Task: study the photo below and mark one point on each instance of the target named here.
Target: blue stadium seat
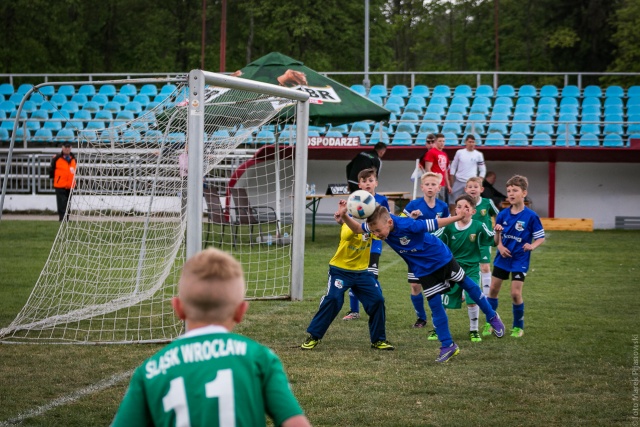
(103, 115)
(544, 124)
(548, 109)
(67, 90)
(571, 90)
(16, 98)
(100, 99)
(590, 124)
(452, 127)
(613, 140)
(150, 90)
(47, 91)
(7, 106)
(498, 123)
(361, 135)
(410, 116)
(417, 100)
(501, 109)
(64, 135)
(438, 100)
(522, 128)
(541, 140)
(503, 100)
(592, 90)
(400, 90)
(429, 127)
(525, 100)
(402, 138)
(359, 89)
(29, 107)
(450, 139)
(458, 109)
(613, 100)
(91, 107)
(379, 137)
(479, 109)
(460, 100)
(129, 90)
(413, 108)
(518, 140)
(484, 90)
(394, 99)
(375, 98)
(378, 90)
(107, 90)
(477, 123)
(393, 107)
(441, 90)
(522, 117)
(528, 91)
(22, 135)
(494, 139)
(567, 124)
(633, 124)
(568, 109)
(614, 91)
(633, 91)
(344, 128)
(6, 89)
(4, 135)
(406, 127)
(590, 100)
(549, 91)
(420, 90)
(421, 139)
(565, 140)
(523, 109)
(591, 110)
(48, 107)
(633, 101)
(361, 126)
(155, 136)
(547, 100)
(24, 88)
(43, 135)
(385, 129)
(168, 89)
(58, 99)
(131, 136)
(36, 98)
(113, 107)
(506, 90)
(436, 109)
(121, 99)
(40, 115)
(133, 106)
(463, 90)
(613, 124)
(569, 100)
(87, 90)
(80, 98)
(71, 107)
(589, 140)
(123, 117)
(613, 109)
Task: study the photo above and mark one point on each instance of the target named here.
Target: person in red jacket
(63, 171)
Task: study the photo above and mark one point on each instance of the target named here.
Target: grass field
(574, 366)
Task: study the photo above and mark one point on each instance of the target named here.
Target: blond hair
(211, 286)
(518, 181)
(475, 179)
(431, 175)
(379, 214)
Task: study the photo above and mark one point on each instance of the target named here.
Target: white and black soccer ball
(361, 204)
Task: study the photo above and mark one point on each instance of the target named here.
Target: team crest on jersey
(439, 215)
(404, 241)
(472, 237)
(483, 212)
(520, 225)
(338, 283)
(365, 237)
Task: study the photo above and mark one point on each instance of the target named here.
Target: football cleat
(382, 345)
(432, 336)
(497, 326)
(474, 336)
(351, 315)
(447, 353)
(310, 343)
(420, 323)
(517, 332)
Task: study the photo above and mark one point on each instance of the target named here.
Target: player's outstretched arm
(443, 222)
(351, 223)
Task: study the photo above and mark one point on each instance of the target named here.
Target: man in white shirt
(467, 163)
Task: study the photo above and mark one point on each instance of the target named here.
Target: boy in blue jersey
(518, 233)
(210, 376)
(348, 270)
(432, 263)
(368, 181)
(427, 207)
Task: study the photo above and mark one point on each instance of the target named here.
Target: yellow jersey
(353, 251)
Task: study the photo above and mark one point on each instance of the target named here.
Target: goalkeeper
(210, 376)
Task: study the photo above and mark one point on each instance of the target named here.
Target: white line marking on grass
(70, 398)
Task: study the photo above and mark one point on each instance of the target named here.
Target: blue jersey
(412, 240)
(523, 227)
(376, 244)
(440, 210)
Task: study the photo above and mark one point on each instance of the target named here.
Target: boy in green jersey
(465, 238)
(210, 376)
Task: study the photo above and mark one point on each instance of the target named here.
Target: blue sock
(354, 304)
(418, 305)
(518, 316)
(476, 294)
(493, 302)
(440, 320)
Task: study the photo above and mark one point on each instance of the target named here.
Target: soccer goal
(219, 161)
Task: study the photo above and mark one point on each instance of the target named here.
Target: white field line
(111, 381)
(69, 398)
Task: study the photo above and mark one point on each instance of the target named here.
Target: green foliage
(572, 367)
(627, 39)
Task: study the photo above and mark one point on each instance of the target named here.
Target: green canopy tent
(330, 101)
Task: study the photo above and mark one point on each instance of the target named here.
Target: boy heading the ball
(348, 270)
(368, 181)
(519, 232)
(432, 263)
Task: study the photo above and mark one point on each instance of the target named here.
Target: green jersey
(465, 241)
(485, 209)
(209, 377)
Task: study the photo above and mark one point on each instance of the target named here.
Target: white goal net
(144, 201)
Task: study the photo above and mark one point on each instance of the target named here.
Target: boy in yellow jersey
(348, 270)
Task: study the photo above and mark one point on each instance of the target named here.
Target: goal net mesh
(116, 260)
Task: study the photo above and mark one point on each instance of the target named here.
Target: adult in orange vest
(63, 171)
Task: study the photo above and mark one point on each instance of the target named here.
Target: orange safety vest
(63, 172)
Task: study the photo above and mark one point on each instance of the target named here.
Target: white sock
(485, 278)
(474, 311)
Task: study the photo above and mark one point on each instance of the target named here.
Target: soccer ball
(361, 204)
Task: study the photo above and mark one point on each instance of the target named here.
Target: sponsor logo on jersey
(453, 237)
(338, 283)
(520, 225)
(472, 237)
(404, 241)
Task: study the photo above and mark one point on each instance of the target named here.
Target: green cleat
(487, 330)
(474, 336)
(382, 345)
(517, 332)
(432, 336)
(310, 343)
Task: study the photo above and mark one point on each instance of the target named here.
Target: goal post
(146, 186)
